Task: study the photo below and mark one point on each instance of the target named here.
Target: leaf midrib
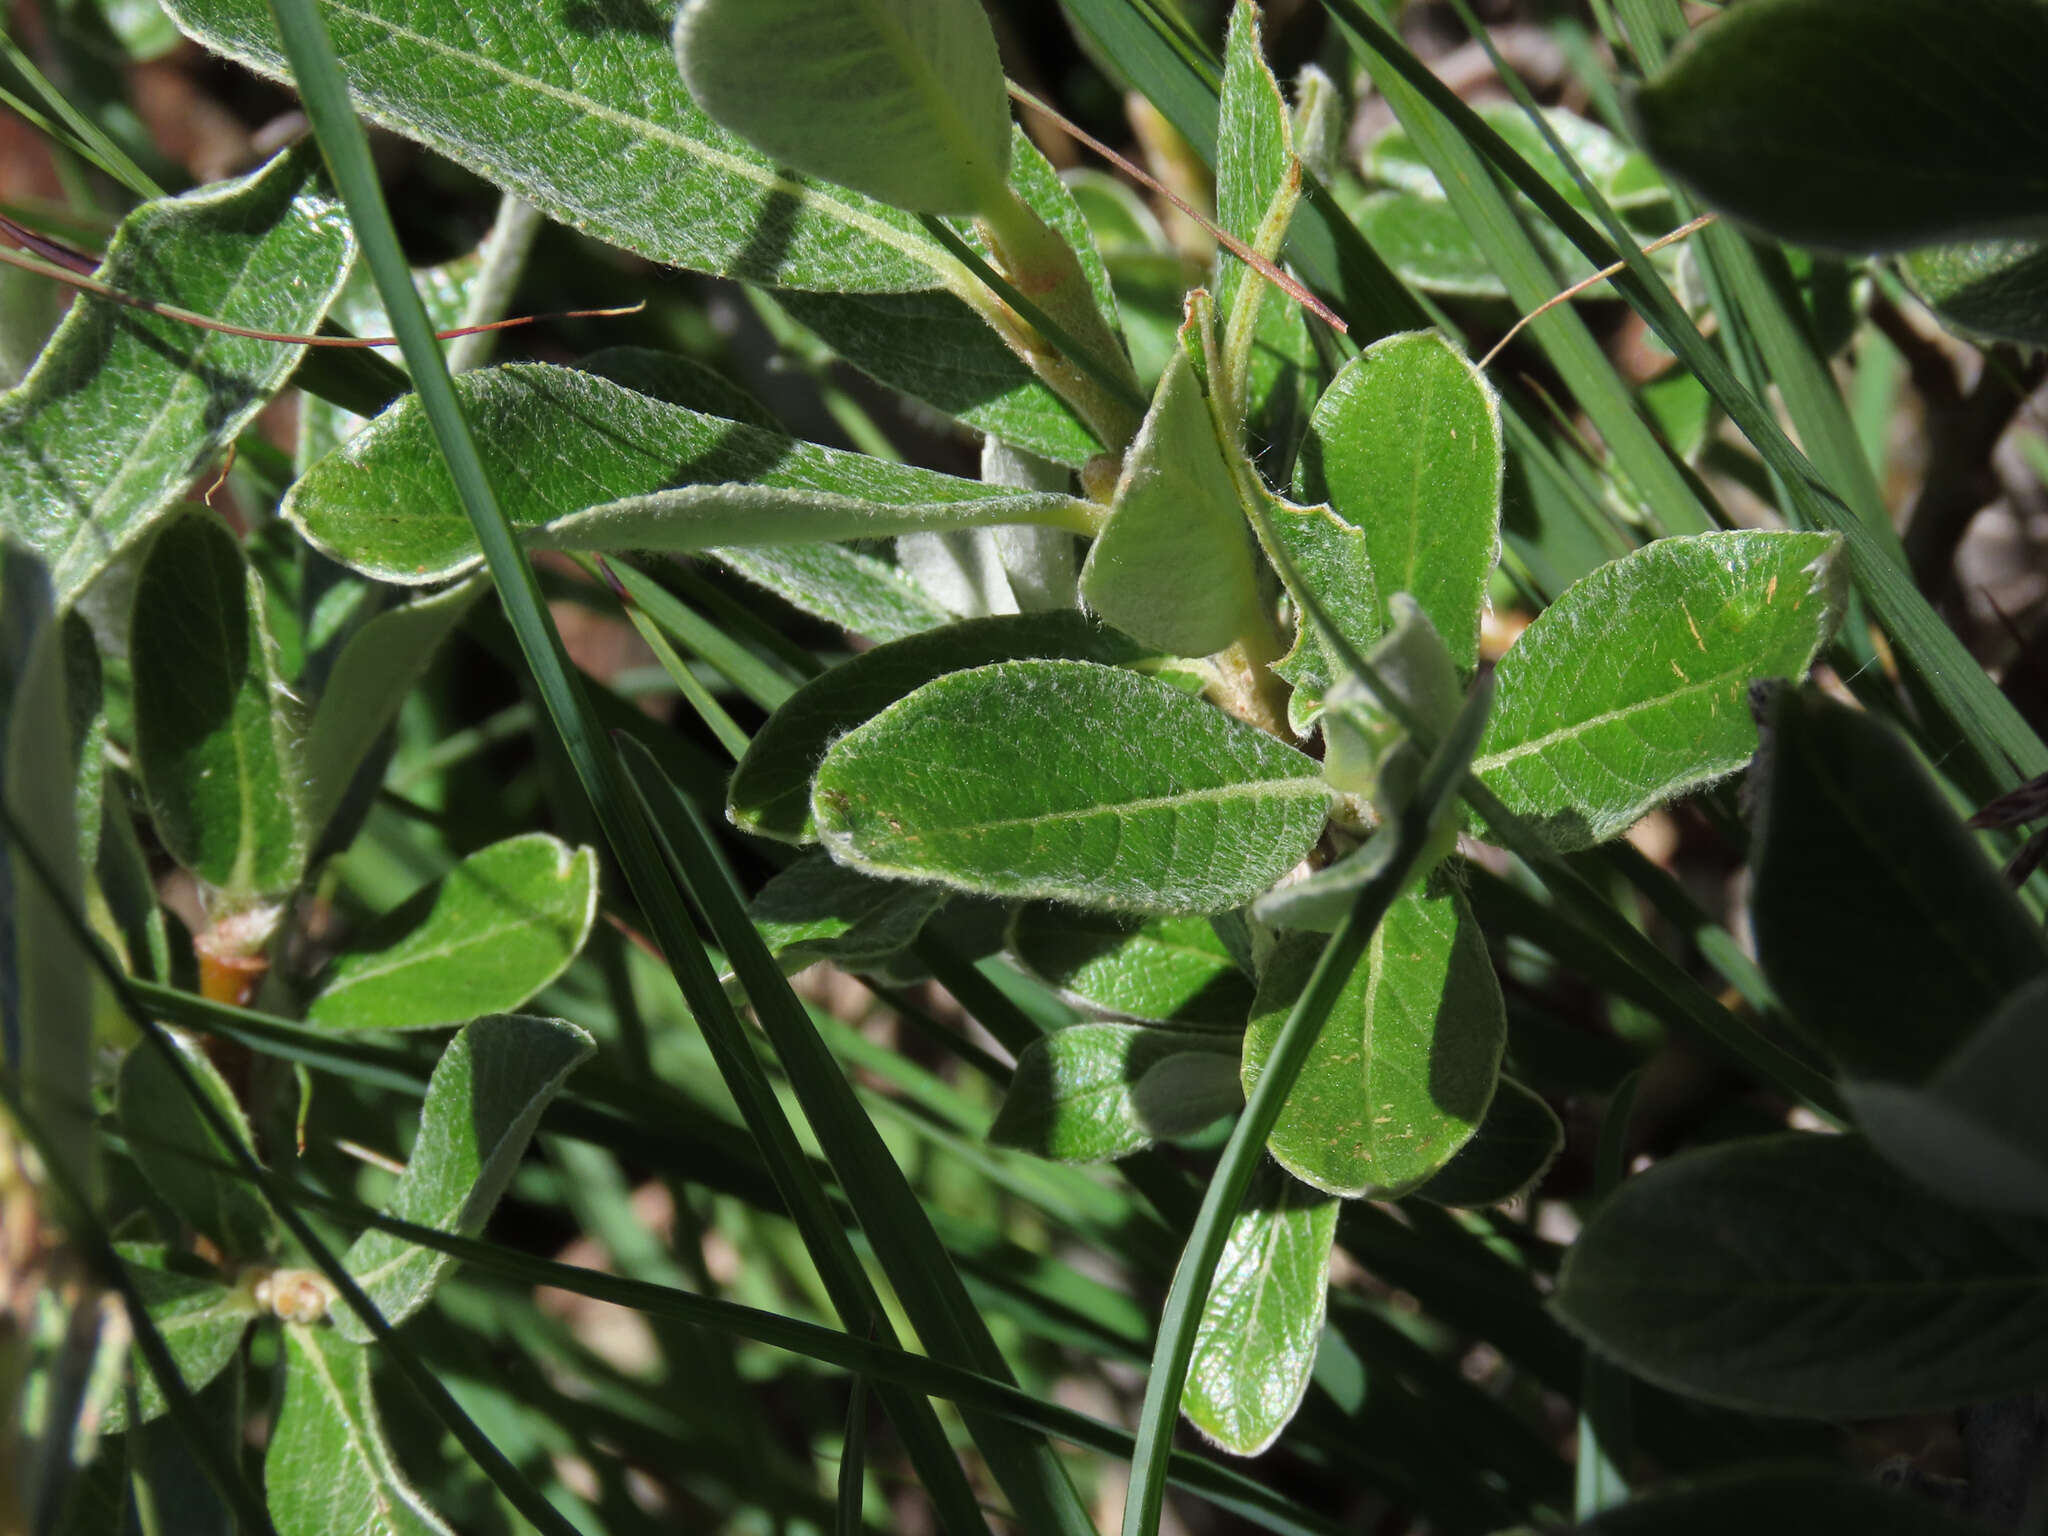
(1311, 786)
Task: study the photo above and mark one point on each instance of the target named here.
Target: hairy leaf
(178, 1152)
(1092, 1092)
(818, 910)
(201, 1317)
(1162, 970)
(1132, 797)
(1514, 1147)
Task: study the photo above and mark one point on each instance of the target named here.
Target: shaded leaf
(901, 101)
(1779, 1501)
(1162, 970)
(1631, 688)
(623, 471)
(216, 731)
(329, 1470)
(1332, 560)
(1405, 445)
(842, 586)
(489, 934)
(1404, 1069)
(1134, 797)
(1926, 129)
(1173, 564)
(818, 910)
(1256, 1344)
(1092, 1092)
(483, 1101)
(770, 791)
(1804, 1275)
(124, 409)
(1993, 290)
(1883, 928)
(1514, 1147)
(179, 1153)
(201, 1318)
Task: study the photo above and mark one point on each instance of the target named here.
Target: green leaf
(377, 668)
(1428, 242)
(1405, 1066)
(329, 1470)
(1514, 1147)
(1092, 1092)
(216, 732)
(1256, 1344)
(818, 910)
(1625, 177)
(902, 101)
(1405, 445)
(1926, 129)
(1884, 929)
(202, 1321)
(1631, 688)
(1804, 1275)
(554, 103)
(179, 1153)
(46, 989)
(483, 1101)
(1974, 1132)
(1333, 560)
(1992, 290)
(1173, 565)
(842, 586)
(1254, 145)
(624, 471)
(489, 934)
(1780, 1501)
(1133, 797)
(123, 409)
(771, 788)
(1162, 970)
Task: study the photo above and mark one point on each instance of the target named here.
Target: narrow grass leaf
(1513, 1148)
(329, 1470)
(489, 934)
(1770, 1275)
(623, 471)
(178, 1153)
(1256, 1346)
(1632, 687)
(1405, 445)
(770, 792)
(1923, 131)
(200, 1317)
(1882, 925)
(124, 409)
(483, 1101)
(1093, 1092)
(1136, 798)
(1156, 970)
(1405, 1066)
(217, 735)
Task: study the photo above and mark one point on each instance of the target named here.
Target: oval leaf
(1405, 445)
(1631, 688)
(624, 471)
(1071, 782)
(123, 409)
(1881, 924)
(216, 731)
(1861, 125)
(903, 101)
(483, 1101)
(1804, 1275)
(1404, 1069)
(1780, 1501)
(485, 937)
(1162, 970)
(1092, 1092)
(1255, 1346)
(1514, 1147)
(329, 1470)
(1992, 290)
(818, 910)
(771, 788)
(178, 1152)
(201, 1318)
(1173, 565)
